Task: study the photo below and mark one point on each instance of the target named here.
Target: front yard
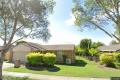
(83, 68)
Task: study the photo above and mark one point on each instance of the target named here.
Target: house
(66, 50)
(110, 48)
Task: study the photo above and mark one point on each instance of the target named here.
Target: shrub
(117, 65)
(117, 57)
(107, 59)
(117, 60)
(49, 59)
(35, 58)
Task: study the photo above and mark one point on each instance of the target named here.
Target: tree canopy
(96, 44)
(23, 18)
(98, 14)
(85, 44)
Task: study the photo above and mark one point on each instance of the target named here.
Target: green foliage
(107, 59)
(96, 44)
(85, 43)
(117, 57)
(93, 52)
(19, 42)
(117, 65)
(20, 16)
(35, 58)
(49, 59)
(117, 60)
(79, 51)
(94, 14)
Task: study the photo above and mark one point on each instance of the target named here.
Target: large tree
(85, 43)
(96, 44)
(23, 18)
(101, 14)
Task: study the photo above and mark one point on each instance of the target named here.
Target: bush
(117, 65)
(117, 60)
(49, 59)
(35, 58)
(117, 57)
(107, 59)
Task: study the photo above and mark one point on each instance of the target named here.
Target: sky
(64, 31)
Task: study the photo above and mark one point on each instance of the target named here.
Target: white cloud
(71, 20)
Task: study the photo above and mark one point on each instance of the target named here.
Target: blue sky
(63, 30)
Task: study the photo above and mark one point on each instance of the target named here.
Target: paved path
(47, 77)
(7, 65)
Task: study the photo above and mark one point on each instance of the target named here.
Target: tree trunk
(1, 63)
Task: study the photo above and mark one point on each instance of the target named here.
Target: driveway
(7, 65)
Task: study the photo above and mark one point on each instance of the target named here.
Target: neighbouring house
(62, 51)
(110, 48)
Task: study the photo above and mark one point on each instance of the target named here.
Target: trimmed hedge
(37, 58)
(49, 59)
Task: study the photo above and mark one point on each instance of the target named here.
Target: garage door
(20, 56)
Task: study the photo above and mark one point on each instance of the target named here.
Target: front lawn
(83, 68)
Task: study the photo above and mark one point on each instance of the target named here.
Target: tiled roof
(50, 47)
(114, 47)
(59, 47)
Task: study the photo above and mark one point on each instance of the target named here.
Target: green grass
(14, 78)
(84, 68)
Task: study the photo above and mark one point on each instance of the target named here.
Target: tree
(97, 14)
(113, 42)
(23, 18)
(85, 43)
(96, 44)
(19, 42)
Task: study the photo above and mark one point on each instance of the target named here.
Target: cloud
(71, 20)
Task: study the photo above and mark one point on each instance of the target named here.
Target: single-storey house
(20, 51)
(110, 48)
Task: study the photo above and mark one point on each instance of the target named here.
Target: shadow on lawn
(80, 63)
(53, 69)
(43, 68)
